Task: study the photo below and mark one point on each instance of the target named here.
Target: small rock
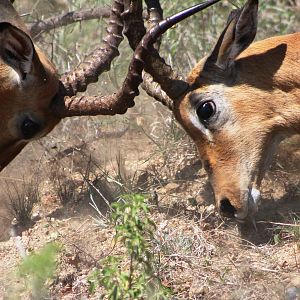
(200, 200)
(198, 291)
(172, 187)
(210, 209)
(53, 235)
(292, 293)
(35, 217)
(192, 201)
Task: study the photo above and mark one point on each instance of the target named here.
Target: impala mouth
(250, 207)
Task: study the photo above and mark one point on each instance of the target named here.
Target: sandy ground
(202, 255)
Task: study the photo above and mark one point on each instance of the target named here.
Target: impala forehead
(211, 92)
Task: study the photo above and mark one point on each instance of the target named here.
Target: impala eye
(29, 128)
(206, 110)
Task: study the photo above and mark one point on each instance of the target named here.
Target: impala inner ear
(237, 36)
(16, 49)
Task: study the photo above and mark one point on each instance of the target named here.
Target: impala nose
(226, 209)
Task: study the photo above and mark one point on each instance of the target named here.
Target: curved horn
(132, 17)
(119, 102)
(162, 73)
(155, 13)
(172, 85)
(152, 88)
(100, 59)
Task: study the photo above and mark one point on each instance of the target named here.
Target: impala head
(236, 110)
(239, 104)
(213, 112)
(28, 82)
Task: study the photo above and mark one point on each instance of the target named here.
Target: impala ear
(16, 49)
(237, 36)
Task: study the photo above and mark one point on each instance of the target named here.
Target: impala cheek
(9, 151)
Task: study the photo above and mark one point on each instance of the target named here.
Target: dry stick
(280, 224)
(80, 147)
(295, 256)
(65, 19)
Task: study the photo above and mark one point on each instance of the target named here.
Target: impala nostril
(226, 209)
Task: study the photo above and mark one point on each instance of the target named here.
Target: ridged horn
(160, 81)
(119, 102)
(100, 59)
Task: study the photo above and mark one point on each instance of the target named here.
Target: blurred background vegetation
(182, 46)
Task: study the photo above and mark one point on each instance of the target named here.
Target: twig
(295, 256)
(280, 224)
(68, 18)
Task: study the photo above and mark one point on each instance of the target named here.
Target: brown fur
(262, 96)
(20, 95)
(34, 98)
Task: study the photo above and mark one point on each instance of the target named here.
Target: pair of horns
(67, 104)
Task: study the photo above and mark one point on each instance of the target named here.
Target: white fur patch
(255, 196)
(14, 77)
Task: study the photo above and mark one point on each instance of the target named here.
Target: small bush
(288, 232)
(131, 275)
(66, 190)
(34, 275)
(22, 199)
(37, 270)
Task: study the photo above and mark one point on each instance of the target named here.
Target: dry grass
(217, 264)
(21, 199)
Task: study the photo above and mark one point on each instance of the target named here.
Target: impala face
(241, 104)
(28, 83)
(234, 145)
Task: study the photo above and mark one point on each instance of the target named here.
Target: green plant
(131, 275)
(37, 270)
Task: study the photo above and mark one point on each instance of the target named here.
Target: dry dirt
(202, 255)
